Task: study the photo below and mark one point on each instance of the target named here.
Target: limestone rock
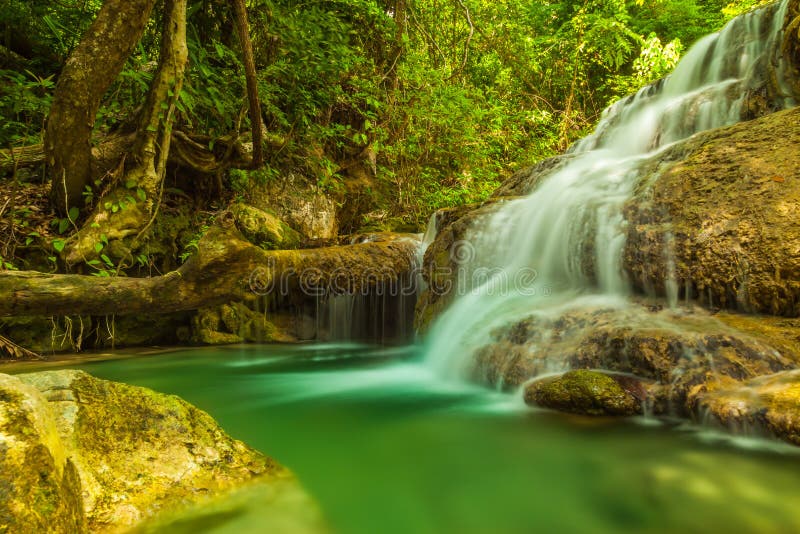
(673, 352)
(263, 228)
(443, 263)
(80, 451)
(587, 392)
(301, 204)
(726, 205)
(768, 405)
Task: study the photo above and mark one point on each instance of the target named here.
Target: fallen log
(226, 268)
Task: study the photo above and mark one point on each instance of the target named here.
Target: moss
(263, 228)
(584, 392)
(38, 489)
(729, 198)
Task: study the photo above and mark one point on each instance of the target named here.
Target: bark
(155, 125)
(150, 153)
(20, 157)
(90, 70)
(243, 29)
(227, 268)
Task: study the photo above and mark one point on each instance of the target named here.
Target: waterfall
(561, 246)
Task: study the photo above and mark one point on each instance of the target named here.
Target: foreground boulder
(80, 453)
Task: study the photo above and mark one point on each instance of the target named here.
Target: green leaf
(73, 213)
(141, 194)
(58, 244)
(98, 247)
(63, 224)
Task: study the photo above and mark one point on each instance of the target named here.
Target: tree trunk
(243, 29)
(155, 124)
(90, 70)
(129, 210)
(226, 268)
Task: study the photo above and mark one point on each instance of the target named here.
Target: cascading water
(561, 247)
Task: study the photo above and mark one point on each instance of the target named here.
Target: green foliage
(734, 9)
(191, 246)
(442, 99)
(24, 103)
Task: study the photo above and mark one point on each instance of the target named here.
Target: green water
(386, 448)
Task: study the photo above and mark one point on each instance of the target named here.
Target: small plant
(192, 246)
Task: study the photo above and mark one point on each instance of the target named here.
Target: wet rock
(672, 351)
(447, 258)
(768, 405)
(725, 205)
(81, 452)
(587, 392)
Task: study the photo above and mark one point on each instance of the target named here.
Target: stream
(386, 446)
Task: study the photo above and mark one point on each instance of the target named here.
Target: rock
(524, 181)
(726, 205)
(237, 323)
(263, 228)
(768, 405)
(40, 490)
(672, 352)
(302, 205)
(445, 259)
(80, 451)
(588, 393)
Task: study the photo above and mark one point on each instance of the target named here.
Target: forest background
(399, 106)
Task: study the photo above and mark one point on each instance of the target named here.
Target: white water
(530, 255)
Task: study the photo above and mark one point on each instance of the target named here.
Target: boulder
(40, 490)
(768, 405)
(300, 203)
(672, 352)
(80, 452)
(587, 392)
(725, 206)
(263, 228)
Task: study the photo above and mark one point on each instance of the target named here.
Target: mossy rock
(263, 228)
(235, 323)
(586, 392)
(768, 405)
(40, 490)
(80, 452)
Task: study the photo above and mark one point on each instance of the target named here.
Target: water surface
(386, 447)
